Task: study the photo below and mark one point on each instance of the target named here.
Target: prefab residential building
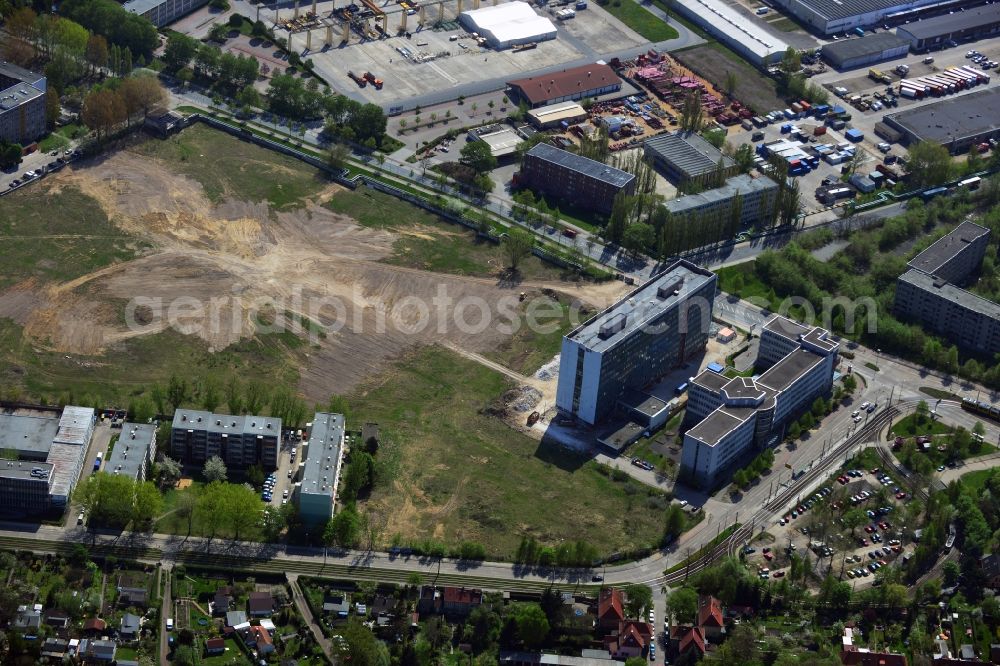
(317, 493)
(241, 441)
(580, 181)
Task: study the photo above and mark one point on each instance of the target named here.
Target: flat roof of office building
(642, 402)
(945, 248)
(618, 437)
(638, 307)
(28, 433)
(785, 327)
(741, 184)
(75, 425)
(952, 119)
(131, 450)
(782, 374)
(319, 469)
(946, 24)
(21, 469)
(711, 380)
(582, 165)
(66, 461)
(861, 47)
(720, 423)
(950, 292)
(688, 152)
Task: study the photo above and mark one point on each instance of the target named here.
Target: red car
(900, 495)
(869, 529)
(842, 480)
(897, 549)
(863, 542)
(778, 574)
(768, 556)
(884, 525)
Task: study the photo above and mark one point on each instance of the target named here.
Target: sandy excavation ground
(243, 263)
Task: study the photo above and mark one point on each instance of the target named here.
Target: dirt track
(242, 262)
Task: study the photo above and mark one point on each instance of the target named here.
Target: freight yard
(420, 49)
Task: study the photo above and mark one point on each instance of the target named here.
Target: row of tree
(119, 101)
(578, 554)
(743, 478)
(118, 25)
(232, 72)
(116, 501)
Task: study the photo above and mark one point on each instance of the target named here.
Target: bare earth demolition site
(208, 258)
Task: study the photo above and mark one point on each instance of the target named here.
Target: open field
(643, 22)
(464, 475)
(221, 266)
(712, 61)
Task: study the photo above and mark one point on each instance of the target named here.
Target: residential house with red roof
(632, 639)
(710, 618)
(459, 601)
(610, 610)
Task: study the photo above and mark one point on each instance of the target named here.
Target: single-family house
(710, 617)
(132, 596)
(56, 619)
(684, 639)
(235, 618)
(94, 625)
(990, 566)
(610, 610)
(28, 619)
(98, 650)
(632, 639)
(215, 646)
(852, 655)
(382, 604)
(56, 648)
(129, 628)
(337, 604)
(459, 601)
(222, 601)
(429, 601)
(260, 604)
(258, 638)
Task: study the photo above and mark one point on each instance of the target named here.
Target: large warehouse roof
(689, 153)
(869, 45)
(728, 22)
(566, 83)
(952, 119)
(510, 22)
(839, 9)
(949, 23)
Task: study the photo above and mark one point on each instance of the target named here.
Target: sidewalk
(317, 631)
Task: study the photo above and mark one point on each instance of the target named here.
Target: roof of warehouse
(566, 83)
(949, 23)
(945, 248)
(689, 152)
(142, 6)
(869, 45)
(510, 21)
(582, 165)
(751, 35)
(27, 432)
(953, 118)
(839, 9)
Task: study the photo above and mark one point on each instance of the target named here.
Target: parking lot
(822, 525)
(37, 164)
(280, 484)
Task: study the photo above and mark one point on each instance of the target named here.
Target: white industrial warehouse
(509, 24)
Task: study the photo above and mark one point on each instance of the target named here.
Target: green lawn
(57, 234)
(228, 167)
(428, 242)
(52, 142)
(910, 426)
(465, 475)
(976, 481)
(641, 20)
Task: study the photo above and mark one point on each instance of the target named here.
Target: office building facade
(241, 441)
(733, 419)
(929, 292)
(316, 494)
(654, 329)
(755, 196)
(579, 181)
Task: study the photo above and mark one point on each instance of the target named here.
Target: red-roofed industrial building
(570, 84)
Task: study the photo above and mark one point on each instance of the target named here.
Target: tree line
(119, 101)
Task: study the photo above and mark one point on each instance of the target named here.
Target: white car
(284, 493)
(683, 503)
(865, 404)
(854, 414)
(857, 419)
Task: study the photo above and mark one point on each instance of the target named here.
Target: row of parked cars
(805, 506)
(981, 60)
(30, 175)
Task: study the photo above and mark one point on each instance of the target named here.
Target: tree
(692, 114)
(215, 469)
(234, 396)
(791, 62)
(360, 646)
(854, 518)
(638, 598)
(97, 52)
(10, 154)
(730, 83)
(255, 397)
(178, 391)
(638, 237)
(118, 25)
(675, 521)
(102, 110)
(532, 624)
(143, 93)
(950, 571)
(929, 164)
(479, 156)
(683, 603)
(170, 472)
(744, 157)
(516, 245)
(185, 507)
(53, 108)
(337, 154)
(344, 528)
(148, 503)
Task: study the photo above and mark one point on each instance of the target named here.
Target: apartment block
(582, 182)
(316, 495)
(736, 418)
(652, 330)
(241, 441)
(929, 292)
(22, 104)
(755, 196)
(134, 451)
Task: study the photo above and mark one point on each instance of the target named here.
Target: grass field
(464, 475)
(908, 427)
(639, 19)
(228, 167)
(429, 242)
(57, 236)
(713, 60)
(976, 481)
